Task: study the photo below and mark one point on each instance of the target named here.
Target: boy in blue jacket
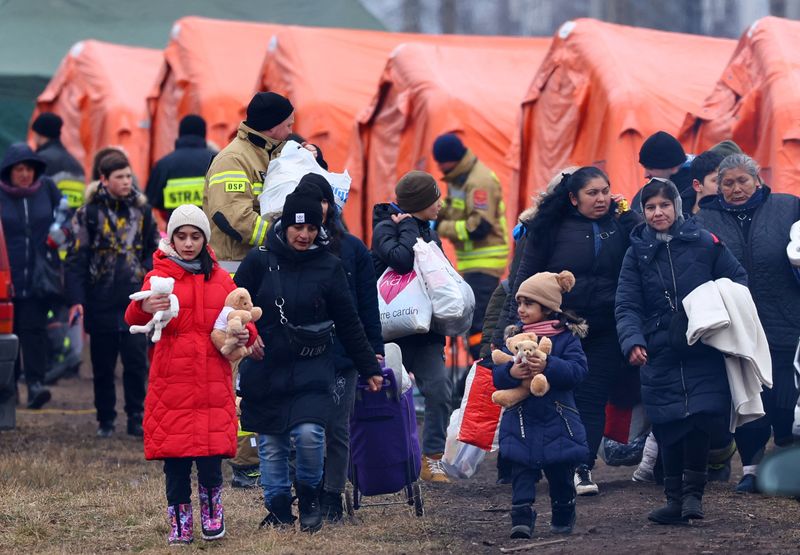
(545, 433)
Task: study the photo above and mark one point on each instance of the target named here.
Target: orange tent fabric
(210, 68)
(427, 90)
(757, 103)
(602, 90)
(330, 75)
(99, 90)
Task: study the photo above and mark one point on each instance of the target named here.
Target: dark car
(8, 343)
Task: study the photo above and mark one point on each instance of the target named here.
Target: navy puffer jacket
(763, 254)
(546, 430)
(674, 385)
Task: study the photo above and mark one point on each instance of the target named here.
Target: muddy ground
(65, 491)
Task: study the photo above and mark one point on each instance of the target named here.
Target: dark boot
(330, 503)
(523, 518)
(694, 483)
(38, 395)
(280, 512)
(245, 477)
(308, 502)
(563, 517)
(135, 425)
(671, 512)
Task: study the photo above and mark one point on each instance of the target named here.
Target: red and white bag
(404, 305)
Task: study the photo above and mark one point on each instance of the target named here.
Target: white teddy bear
(158, 286)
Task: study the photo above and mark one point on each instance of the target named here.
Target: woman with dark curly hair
(583, 228)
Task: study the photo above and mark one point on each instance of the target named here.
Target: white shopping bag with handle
(403, 303)
(285, 172)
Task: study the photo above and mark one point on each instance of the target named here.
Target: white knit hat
(188, 214)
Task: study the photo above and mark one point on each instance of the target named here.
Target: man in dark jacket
(396, 228)
(662, 156)
(111, 249)
(178, 178)
(62, 167)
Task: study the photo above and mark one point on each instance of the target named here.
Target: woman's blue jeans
(273, 453)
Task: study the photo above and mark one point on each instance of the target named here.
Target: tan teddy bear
(525, 346)
(238, 312)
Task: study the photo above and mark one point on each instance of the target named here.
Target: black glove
(480, 232)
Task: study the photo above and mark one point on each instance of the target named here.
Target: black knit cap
(661, 151)
(321, 184)
(266, 110)
(192, 125)
(416, 191)
(302, 206)
(48, 124)
(448, 148)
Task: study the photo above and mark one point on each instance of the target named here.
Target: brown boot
(432, 470)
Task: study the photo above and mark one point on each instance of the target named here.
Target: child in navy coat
(545, 433)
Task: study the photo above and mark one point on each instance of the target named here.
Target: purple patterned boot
(180, 524)
(211, 513)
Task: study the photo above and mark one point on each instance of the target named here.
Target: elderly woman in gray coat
(754, 223)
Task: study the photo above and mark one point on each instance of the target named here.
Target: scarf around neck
(545, 328)
(21, 192)
(755, 200)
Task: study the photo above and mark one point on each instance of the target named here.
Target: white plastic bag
(404, 306)
(285, 172)
(393, 359)
(452, 299)
(460, 460)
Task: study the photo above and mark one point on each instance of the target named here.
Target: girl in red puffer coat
(190, 413)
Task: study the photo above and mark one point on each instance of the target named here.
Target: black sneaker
(330, 503)
(245, 478)
(583, 481)
(135, 425)
(105, 429)
(38, 395)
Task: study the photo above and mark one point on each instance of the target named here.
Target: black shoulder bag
(306, 341)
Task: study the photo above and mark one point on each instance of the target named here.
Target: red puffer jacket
(189, 410)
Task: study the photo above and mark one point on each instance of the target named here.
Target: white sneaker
(644, 475)
(583, 481)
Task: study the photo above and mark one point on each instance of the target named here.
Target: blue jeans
(273, 454)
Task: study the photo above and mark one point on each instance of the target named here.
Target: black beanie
(416, 191)
(48, 124)
(448, 148)
(321, 184)
(661, 151)
(266, 110)
(192, 125)
(302, 207)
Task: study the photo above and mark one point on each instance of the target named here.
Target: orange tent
(99, 90)
(757, 103)
(427, 90)
(210, 68)
(330, 75)
(602, 90)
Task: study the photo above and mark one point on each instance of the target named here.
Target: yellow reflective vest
(474, 195)
(230, 195)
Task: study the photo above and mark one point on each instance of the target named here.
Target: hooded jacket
(393, 246)
(474, 217)
(230, 194)
(189, 410)
(762, 252)
(26, 219)
(110, 252)
(283, 390)
(65, 170)
(674, 384)
(179, 177)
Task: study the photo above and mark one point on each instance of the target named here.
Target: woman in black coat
(754, 223)
(580, 227)
(684, 390)
(27, 201)
(360, 271)
(287, 397)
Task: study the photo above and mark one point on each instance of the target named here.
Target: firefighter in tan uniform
(473, 219)
(230, 200)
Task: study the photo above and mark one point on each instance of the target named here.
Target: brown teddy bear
(525, 346)
(238, 312)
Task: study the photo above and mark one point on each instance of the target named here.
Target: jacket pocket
(563, 411)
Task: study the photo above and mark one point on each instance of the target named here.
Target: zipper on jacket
(685, 392)
(683, 378)
(560, 410)
(27, 250)
(521, 421)
(674, 282)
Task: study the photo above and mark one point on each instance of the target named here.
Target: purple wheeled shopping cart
(384, 448)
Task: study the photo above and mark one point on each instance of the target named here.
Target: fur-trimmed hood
(136, 198)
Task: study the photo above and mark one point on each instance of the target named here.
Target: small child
(545, 433)
(190, 414)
